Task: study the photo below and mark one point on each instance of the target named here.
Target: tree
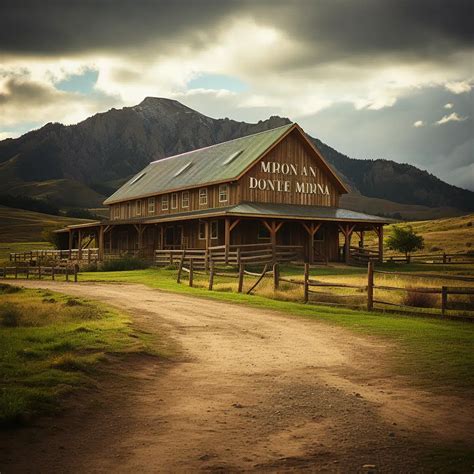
(404, 239)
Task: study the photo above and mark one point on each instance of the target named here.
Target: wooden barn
(271, 189)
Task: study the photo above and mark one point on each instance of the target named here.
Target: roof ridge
(220, 143)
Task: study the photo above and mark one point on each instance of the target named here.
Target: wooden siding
(292, 150)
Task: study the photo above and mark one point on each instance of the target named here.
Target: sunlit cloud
(454, 117)
(458, 87)
(419, 123)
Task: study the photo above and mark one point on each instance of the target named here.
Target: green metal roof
(222, 162)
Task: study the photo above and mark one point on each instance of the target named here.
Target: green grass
(52, 344)
(437, 354)
(6, 248)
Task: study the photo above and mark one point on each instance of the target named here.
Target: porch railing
(255, 254)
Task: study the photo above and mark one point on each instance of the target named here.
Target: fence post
(444, 300)
(444, 257)
(76, 266)
(306, 282)
(27, 272)
(16, 272)
(238, 257)
(211, 274)
(39, 272)
(276, 276)
(370, 286)
(206, 260)
(52, 273)
(191, 276)
(67, 272)
(241, 277)
(180, 268)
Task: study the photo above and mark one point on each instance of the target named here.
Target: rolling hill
(79, 165)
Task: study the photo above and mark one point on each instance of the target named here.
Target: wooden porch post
(208, 238)
(79, 245)
(362, 238)
(227, 239)
(380, 233)
(347, 230)
(162, 237)
(101, 243)
(70, 242)
(273, 228)
(311, 229)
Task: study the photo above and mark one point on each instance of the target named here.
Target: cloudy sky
(372, 78)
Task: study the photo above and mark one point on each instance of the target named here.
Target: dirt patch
(252, 390)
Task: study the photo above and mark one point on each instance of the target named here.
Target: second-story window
(223, 193)
(164, 202)
(203, 196)
(138, 208)
(174, 200)
(185, 199)
(151, 205)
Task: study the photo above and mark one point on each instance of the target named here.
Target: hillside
(79, 165)
(450, 235)
(19, 225)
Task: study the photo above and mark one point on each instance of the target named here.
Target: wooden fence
(39, 272)
(364, 297)
(88, 255)
(432, 258)
(234, 255)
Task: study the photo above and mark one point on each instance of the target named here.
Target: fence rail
(432, 258)
(234, 255)
(39, 272)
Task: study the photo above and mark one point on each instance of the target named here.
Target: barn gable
(292, 172)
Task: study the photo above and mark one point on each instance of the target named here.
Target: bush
(8, 289)
(10, 315)
(124, 263)
(419, 300)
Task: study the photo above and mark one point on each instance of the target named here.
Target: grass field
(450, 235)
(52, 344)
(19, 225)
(437, 354)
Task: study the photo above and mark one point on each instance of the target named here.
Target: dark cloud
(20, 91)
(331, 29)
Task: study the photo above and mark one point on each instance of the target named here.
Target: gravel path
(251, 390)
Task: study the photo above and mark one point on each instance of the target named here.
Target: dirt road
(251, 390)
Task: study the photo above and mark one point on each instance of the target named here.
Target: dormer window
(203, 197)
(223, 193)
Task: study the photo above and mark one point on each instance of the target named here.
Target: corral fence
(65, 272)
(432, 258)
(363, 296)
(233, 255)
(87, 255)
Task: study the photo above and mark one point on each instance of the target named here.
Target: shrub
(7, 289)
(419, 300)
(10, 315)
(124, 263)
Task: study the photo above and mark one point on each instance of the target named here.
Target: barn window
(151, 205)
(185, 199)
(202, 230)
(174, 200)
(223, 193)
(164, 202)
(214, 230)
(138, 208)
(203, 196)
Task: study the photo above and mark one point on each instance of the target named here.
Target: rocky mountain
(78, 165)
